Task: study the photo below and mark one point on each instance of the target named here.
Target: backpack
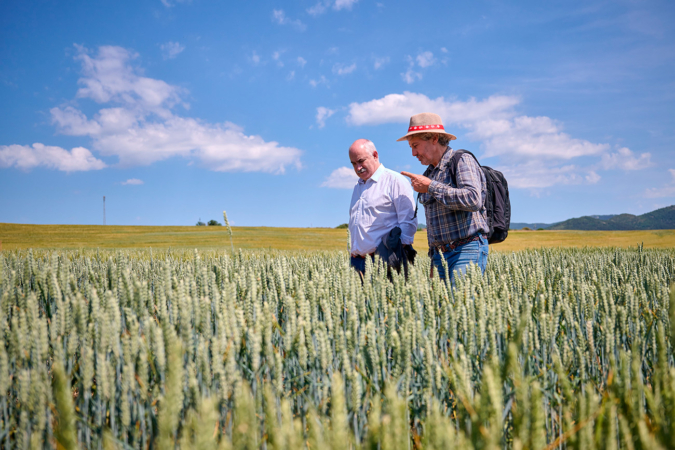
(497, 203)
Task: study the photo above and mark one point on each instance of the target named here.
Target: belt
(454, 244)
(363, 257)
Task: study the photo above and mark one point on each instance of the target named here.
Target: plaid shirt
(454, 211)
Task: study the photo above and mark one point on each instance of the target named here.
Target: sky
(176, 110)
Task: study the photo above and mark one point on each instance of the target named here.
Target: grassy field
(20, 236)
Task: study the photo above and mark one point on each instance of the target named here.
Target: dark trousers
(359, 264)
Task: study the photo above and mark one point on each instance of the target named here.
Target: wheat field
(552, 348)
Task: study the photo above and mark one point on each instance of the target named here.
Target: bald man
(382, 200)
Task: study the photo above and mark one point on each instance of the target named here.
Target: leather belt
(363, 257)
(459, 242)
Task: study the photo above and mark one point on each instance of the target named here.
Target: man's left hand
(420, 183)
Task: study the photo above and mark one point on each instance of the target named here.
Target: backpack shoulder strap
(454, 161)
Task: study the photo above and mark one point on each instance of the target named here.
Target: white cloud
(290, 75)
(536, 148)
(538, 175)
(279, 16)
(318, 9)
(426, 59)
(109, 77)
(322, 80)
(341, 69)
(322, 114)
(27, 157)
(141, 129)
(301, 61)
(323, 5)
(132, 182)
(397, 108)
(255, 58)
(410, 75)
(277, 57)
(171, 49)
(668, 190)
(342, 178)
(624, 159)
(344, 4)
(444, 50)
(380, 62)
(524, 137)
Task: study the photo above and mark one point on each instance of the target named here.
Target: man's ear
(375, 155)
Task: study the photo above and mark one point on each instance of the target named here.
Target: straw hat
(426, 123)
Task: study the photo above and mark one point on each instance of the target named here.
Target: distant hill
(531, 226)
(661, 219)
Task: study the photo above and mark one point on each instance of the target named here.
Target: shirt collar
(445, 159)
(376, 176)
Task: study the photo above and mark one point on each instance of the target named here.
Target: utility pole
(104, 210)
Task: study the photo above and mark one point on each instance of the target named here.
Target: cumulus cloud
(322, 114)
(538, 175)
(110, 77)
(132, 182)
(318, 9)
(537, 148)
(397, 108)
(140, 128)
(409, 76)
(323, 5)
(301, 61)
(668, 190)
(315, 83)
(625, 160)
(171, 49)
(342, 178)
(341, 69)
(279, 16)
(26, 157)
(423, 60)
(426, 59)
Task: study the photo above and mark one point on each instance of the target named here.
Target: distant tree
(527, 229)
(540, 229)
(343, 225)
(200, 223)
(214, 223)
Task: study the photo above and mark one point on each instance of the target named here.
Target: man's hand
(420, 183)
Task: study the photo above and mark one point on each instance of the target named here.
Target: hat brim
(410, 133)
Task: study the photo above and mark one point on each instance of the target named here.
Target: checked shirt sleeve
(467, 195)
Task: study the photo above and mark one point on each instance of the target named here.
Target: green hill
(661, 219)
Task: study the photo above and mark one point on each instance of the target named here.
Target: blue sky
(178, 110)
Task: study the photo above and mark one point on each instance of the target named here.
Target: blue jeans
(458, 259)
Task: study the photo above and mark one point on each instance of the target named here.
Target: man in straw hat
(382, 200)
(457, 224)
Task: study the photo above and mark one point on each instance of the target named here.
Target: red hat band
(426, 127)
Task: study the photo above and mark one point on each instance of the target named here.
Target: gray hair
(443, 139)
(368, 145)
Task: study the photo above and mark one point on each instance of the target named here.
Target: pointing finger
(409, 175)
